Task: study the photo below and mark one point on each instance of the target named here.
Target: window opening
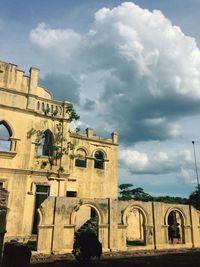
(42, 106)
(46, 144)
(81, 160)
(71, 194)
(99, 160)
(5, 134)
(38, 105)
(48, 109)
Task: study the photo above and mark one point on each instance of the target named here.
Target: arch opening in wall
(81, 160)
(41, 194)
(175, 223)
(99, 160)
(5, 135)
(86, 237)
(135, 234)
(46, 144)
(43, 108)
(38, 105)
(85, 218)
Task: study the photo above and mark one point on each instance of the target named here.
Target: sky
(131, 67)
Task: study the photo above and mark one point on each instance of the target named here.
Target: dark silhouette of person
(171, 233)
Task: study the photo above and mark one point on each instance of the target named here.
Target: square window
(71, 194)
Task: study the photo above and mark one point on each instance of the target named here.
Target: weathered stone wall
(114, 227)
(57, 223)
(22, 105)
(155, 223)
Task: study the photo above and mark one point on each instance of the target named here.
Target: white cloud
(186, 177)
(148, 69)
(140, 75)
(156, 163)
(61, 41)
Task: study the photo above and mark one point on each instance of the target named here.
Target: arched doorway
(86, 217)
(175, 227)
(135, 234)
(86, 239)
(41, 193)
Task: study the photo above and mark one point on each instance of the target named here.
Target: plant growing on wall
(56, 145)
(59, 146)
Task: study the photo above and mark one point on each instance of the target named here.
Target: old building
(52, 196)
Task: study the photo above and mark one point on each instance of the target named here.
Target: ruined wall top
(93, 137)
(21, 92)
(15, 79)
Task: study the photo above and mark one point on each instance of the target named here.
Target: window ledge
(42, 157)
(7, 154)
(80, 167)
(99, 170)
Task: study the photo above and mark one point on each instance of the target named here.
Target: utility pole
(195, 163)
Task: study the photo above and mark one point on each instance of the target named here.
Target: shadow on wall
(3, 213)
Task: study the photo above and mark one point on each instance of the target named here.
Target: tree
(58, 148)
(194, 198)
(171, 199)
(128, 192)
(125, 191)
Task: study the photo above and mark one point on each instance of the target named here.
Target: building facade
(58, 180)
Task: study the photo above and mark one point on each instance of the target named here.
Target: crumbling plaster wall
(112, 226)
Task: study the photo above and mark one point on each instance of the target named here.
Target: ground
(177, 258)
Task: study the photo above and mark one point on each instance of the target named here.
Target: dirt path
(181, 258)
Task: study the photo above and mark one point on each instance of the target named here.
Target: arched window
(38, 105)
(5, 134)
(46, 144)
(81, 160)
(42, 106)
(99, 160)
(48, 109)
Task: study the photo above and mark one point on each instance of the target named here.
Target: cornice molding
(49, 174)
(26, 94)
(33, 113)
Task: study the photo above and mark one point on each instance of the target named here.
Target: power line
(195, 163)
